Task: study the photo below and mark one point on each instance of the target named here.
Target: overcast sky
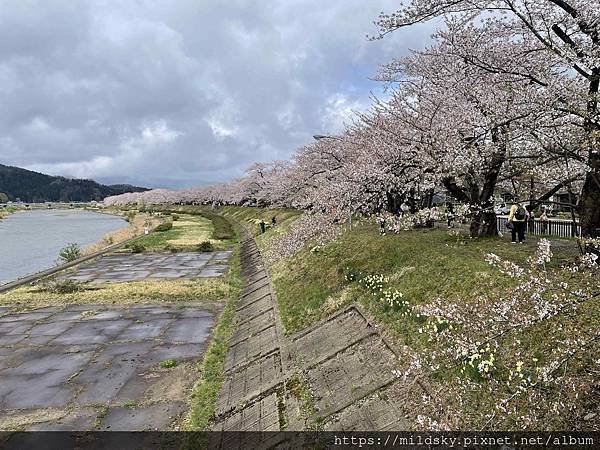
(181, 93)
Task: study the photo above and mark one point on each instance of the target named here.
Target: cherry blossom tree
(554, 44)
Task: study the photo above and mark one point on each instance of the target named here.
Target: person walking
(518, 219)
(273, 221)
(263, 226)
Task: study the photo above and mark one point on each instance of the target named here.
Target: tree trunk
(394, 201)
(483, 224)
(589, 206)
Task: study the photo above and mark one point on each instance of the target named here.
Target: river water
(30, 240)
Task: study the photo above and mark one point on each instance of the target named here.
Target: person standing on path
(544, 221)
(518, 218)
(263, 226)
(531, 220)
(273, 221)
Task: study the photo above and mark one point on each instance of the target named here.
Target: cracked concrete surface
(123, 267)
(94, 367)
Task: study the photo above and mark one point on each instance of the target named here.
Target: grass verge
(173, 291)
(204, 396)
(185, 235)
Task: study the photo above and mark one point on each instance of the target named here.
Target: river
(30, 240)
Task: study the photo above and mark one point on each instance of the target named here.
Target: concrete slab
(262, 415)
(253, 326)
(91, 332)
(155, 417)
(375, 413)
(80, 419)
(189, 331)
(18, 392)
(50, 328)
(148, 329)
(117, 268)
(256, 294)
(352, 374)
(254, 309)
(244, 352)
(330, 337)
(31, 316)
(107, 358)
(249, 382)
(101, 382)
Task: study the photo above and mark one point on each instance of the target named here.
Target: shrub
(70, 253)
(166, 226)
(63, 287)
(175, 217)
(205, 246)
(168, 363)
(136, 247)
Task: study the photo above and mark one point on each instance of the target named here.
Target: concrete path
(122, 267)
(343, 364)
(92, 367)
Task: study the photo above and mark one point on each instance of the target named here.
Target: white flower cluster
(506, 267)
(543, 254)
(590, 261)
(374, 283)
(422, 218)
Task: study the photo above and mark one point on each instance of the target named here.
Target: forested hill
(33, 187)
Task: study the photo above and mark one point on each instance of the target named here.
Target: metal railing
(551, 227)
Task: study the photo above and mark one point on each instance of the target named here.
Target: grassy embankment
(425, 266)
(187, 232)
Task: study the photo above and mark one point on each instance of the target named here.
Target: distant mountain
(34, 187)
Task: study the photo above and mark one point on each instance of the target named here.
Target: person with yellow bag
(517, 218)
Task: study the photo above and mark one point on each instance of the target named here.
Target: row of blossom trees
(506, 98)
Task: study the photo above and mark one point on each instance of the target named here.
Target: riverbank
(137, 224)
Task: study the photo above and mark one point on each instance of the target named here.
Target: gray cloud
(180, 93)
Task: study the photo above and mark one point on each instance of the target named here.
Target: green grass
(168, 363)
(205, 392)
(422, 264)
(173, 291)
(223, 229)
(188, 231)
